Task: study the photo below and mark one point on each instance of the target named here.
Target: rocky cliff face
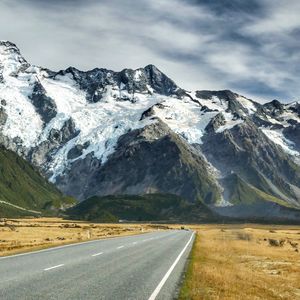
(147, 160)
(102, 132)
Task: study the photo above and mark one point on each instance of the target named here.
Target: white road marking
(96, 254)
(120, 247)
(64, 246)
(163, 281)
(54, 267)
(134, 243)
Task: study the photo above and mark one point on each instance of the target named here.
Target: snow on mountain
(11, 60)
(100, 123)
(15, 88)
(277, 136)
(184, 117)
(59, 119)
(277, 121)
(103, 122)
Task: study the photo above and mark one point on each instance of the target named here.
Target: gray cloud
(251, 47)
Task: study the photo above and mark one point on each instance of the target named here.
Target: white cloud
(282, 17)
(190, 43)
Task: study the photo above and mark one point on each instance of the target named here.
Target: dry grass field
(244, 262)
(227, 261)
(21, 235)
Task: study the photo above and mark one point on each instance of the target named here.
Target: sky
(248, 46)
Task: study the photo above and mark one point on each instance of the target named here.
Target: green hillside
(23, 191)
(240, 192)
(148, 207)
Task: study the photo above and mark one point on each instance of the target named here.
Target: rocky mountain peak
(9, 46)
(160, 83)
(123, 85)
(222, 94)
(274, 108)
(11, 60)
(233, 103)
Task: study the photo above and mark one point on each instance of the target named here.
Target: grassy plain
(227, 261)
(21, 235)
(244, 262)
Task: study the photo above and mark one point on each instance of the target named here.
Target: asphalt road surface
(147, 266)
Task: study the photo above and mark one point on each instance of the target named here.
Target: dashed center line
(54, 267)
(120, 247)
(96, 254)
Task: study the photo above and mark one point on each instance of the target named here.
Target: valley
(90, 156)
(149, 150)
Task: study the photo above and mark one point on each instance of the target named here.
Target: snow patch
(248, 104)
(223, 203)
(230, 122)
(137, 75)
(185, 118)
(23, 121)
(278, 138)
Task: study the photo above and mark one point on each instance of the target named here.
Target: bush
(244, 236)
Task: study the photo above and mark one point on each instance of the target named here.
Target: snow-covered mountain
(103, 132)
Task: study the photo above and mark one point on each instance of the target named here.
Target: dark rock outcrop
(45, 150)
(273, 108)
(215, 123)
(145, 80)
(292, 133)
(43, 104)
(234, 106)
(3, 116)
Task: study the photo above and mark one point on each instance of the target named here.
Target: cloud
(282, 17)
(249, 46)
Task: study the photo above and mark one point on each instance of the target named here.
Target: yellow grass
(227, 262)
(238, 262)
(21, 235)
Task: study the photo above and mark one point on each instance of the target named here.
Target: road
(146, 266)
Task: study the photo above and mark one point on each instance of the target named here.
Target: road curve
(147, 266)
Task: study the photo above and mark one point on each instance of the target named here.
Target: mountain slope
(23, 191)
(103, 132)
(150, 207)
(246, 150)
(148, 160)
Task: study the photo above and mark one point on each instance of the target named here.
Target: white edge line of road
(70, 245)
(54, 267)
(165, 278)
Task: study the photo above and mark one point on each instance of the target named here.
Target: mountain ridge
(73, 123)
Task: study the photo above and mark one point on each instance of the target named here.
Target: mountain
(148, 207)
(23, 191)
(152, 159)
(135, 132)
